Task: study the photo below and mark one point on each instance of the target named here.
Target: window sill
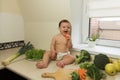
(109, 51)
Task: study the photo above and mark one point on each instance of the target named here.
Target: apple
(110, 69)
(110, 59)
(117, 65)
(118, 61)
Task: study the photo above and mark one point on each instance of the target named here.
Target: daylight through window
(108, 28)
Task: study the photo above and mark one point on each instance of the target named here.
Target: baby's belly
(61, 49)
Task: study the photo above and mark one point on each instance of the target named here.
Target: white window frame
(85, 23)
(80, 30)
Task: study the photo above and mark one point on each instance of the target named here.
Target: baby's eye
(63, 26)
(68, 27)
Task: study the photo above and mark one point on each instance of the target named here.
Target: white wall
(11, 27)
(40, 33)
(42, 18)
(77, 20)
(11, 21)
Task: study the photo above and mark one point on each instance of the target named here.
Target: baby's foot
(60, 64)
(41, 65)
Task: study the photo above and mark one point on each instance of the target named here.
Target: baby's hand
(54, 55)
(67, 36)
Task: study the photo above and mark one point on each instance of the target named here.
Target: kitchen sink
(7, 74)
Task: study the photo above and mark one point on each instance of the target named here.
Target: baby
(59, 48)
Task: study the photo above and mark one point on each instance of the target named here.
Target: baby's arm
(69, 44)
(52, 48)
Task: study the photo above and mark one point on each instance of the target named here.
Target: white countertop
(28, 69)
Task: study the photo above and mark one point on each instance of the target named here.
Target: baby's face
(65, 28)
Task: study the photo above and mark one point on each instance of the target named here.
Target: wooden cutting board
(60, 74)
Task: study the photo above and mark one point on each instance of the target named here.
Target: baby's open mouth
(65, 31)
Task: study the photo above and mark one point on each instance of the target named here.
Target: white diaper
(61, 54)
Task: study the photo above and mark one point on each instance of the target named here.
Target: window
(102, 19)
(92, 9)
(108, 28)
(80, 20)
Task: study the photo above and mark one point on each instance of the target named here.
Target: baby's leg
(44, 62)
(67, 59)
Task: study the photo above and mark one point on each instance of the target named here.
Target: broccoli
(84, 56)
(75, 76)
(101, 60)
(92, 71)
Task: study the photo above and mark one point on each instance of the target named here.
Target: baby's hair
(64, 20)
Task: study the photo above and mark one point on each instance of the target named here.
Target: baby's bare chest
(61, 41)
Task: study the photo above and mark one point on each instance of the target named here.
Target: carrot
(82, 74)
(67, 36)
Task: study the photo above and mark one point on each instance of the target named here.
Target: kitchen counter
(28, 69)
